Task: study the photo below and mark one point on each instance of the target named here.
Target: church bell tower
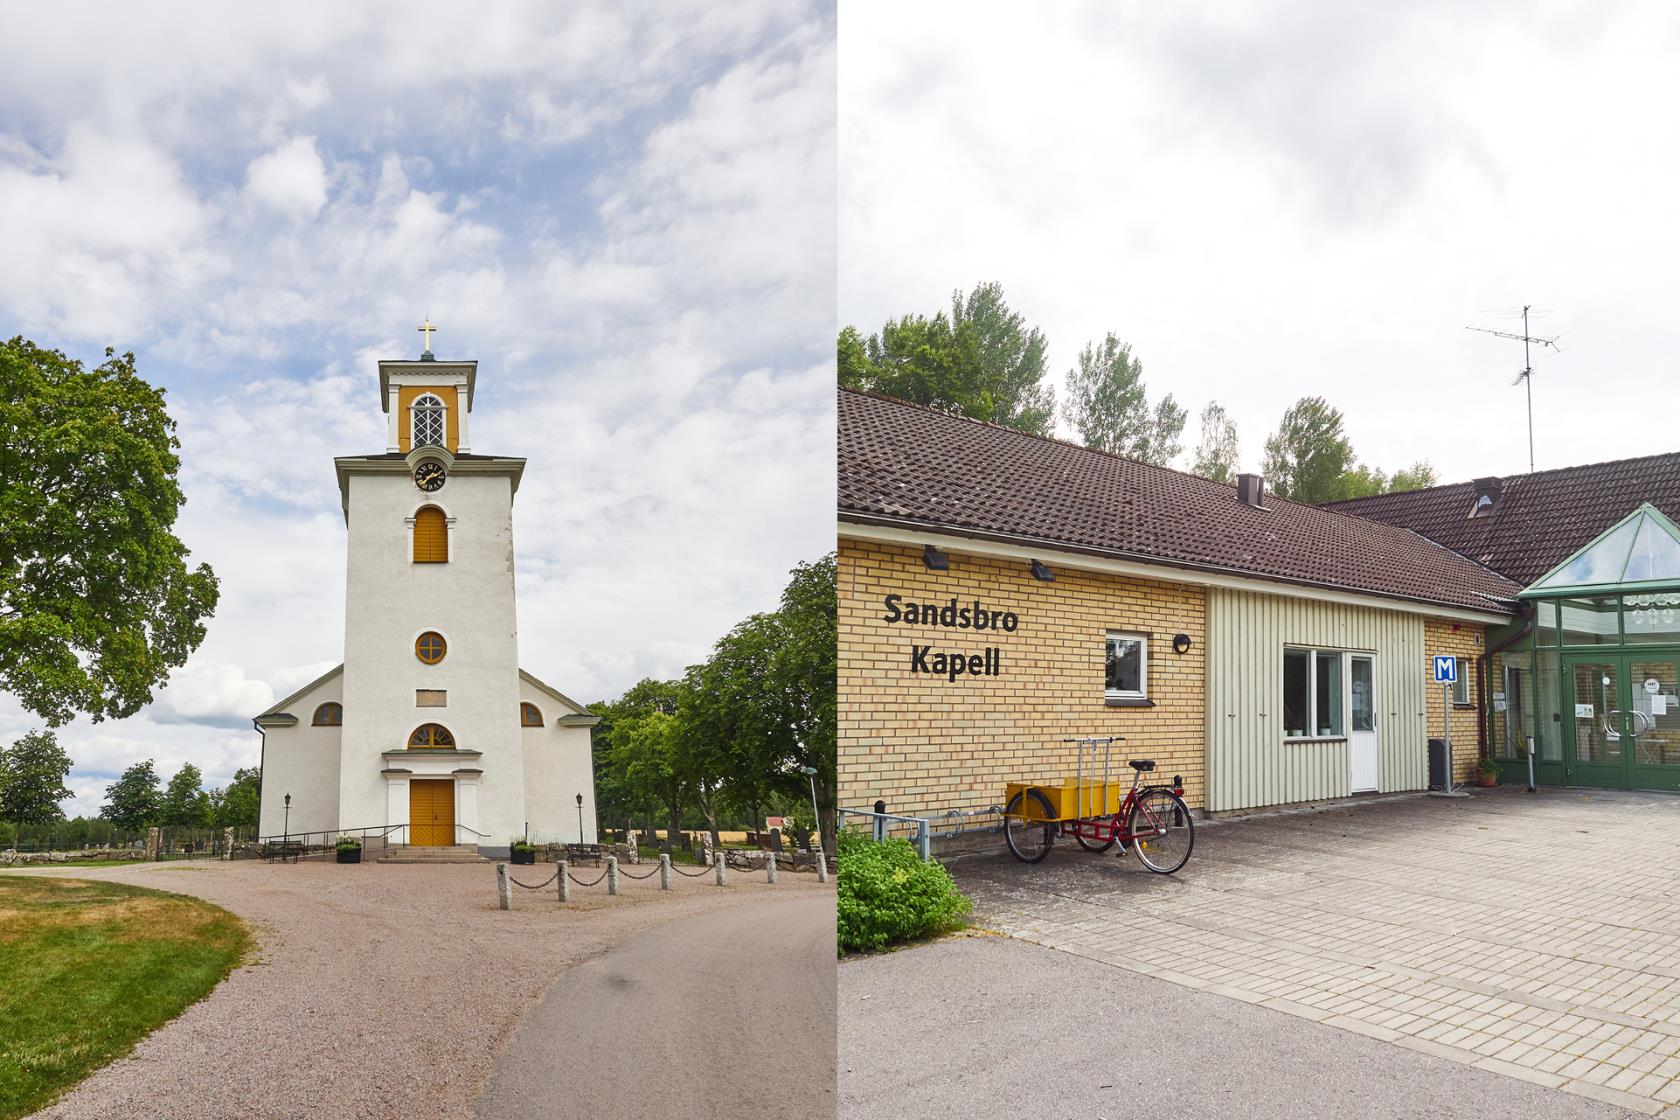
(431, 734)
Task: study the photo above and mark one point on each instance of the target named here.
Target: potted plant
(1487, 772)
(349, 849)
(522, 851)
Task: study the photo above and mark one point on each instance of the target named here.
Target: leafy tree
(1359, 482)
(804, 670)
(1109, 408)
(133, 801)
(32, 773)
(1306, 456)
(981, 360)
(236, 805)
(185, 804)
(96, 602)
(647, 745)
(1418, 476)
(1216, 454)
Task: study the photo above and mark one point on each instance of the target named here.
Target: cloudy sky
(625, 212)
(1271, 200)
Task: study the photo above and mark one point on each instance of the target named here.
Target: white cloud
(1275, 200)
(213, 693)
(625, 213)
(291, 179)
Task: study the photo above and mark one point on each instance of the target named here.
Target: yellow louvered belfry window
(431, 537)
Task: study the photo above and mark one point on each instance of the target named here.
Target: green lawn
(89, 968)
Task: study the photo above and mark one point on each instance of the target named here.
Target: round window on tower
(429, 647)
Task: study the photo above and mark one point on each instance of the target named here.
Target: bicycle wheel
(1162, 832)
(1027, 828)
(1091, 845)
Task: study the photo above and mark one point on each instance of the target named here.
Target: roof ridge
(1270, 497)
(1504, 478)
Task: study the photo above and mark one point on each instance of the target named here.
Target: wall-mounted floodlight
(936, 560)
(1042, 573)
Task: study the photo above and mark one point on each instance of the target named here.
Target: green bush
(888, 894)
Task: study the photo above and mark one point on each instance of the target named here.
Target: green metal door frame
(1602, 731)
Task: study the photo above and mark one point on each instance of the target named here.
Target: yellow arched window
(330, 714)
(529, 716)
(429, 647)
(431, 537)
(431, 735)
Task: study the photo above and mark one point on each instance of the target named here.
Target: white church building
(429, 727)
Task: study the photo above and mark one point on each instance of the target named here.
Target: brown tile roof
(906, 464)
(1538, 520)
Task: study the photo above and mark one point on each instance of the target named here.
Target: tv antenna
(1526, 377)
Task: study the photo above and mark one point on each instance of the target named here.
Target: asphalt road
(986, 1027)
(700, 1010)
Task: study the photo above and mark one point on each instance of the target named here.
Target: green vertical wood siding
(1250, 763)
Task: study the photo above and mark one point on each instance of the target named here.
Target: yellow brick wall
(924, 744)
(1462, 639)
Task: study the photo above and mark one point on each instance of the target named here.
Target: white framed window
(1314, 693)
(427, 421)
(1461, 686)
(1126, 673)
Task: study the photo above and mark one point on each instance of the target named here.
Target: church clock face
(429, 476)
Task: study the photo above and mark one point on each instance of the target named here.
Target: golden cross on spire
(426, 329)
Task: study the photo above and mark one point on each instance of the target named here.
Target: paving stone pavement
(1534, 935)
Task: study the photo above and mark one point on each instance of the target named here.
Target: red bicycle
(1152, 821)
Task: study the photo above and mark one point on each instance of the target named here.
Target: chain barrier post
(612, 874)
(770, 866)
(504, 892)
(664, 871)
(822, 861)
(565, 882)
(717, 866)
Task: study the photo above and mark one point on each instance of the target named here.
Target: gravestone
(775, 839)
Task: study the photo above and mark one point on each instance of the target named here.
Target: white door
(1362, 724)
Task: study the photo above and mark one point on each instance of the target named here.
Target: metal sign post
(1446, 675)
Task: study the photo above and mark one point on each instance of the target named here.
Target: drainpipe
(1482, 665)
(262, 757)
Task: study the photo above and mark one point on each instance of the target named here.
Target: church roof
(577, 709)
(1522, 526)
(277, 716)
(429, 366)
(909, 466)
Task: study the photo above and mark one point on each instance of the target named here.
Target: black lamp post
(811, 773)
(286, 829)
(580, 819)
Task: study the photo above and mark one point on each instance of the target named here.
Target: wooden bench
(585, 853)
(281, 850)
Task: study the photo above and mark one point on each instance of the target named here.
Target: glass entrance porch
(1596, 685)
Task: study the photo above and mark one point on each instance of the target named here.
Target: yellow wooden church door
(431, 812)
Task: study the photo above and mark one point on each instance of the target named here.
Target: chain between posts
(535, 886)
(651, 872)
(591, 882)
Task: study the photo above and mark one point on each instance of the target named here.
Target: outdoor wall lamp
(1181, 643)
(936, 560)
(1042, 573)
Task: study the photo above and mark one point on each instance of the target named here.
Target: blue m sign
(1446, 670)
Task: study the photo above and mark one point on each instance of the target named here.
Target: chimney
(1251, 490)
(1489, 486)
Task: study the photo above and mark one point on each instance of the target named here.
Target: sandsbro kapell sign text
(952, 615)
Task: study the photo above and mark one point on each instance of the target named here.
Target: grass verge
(89, 968)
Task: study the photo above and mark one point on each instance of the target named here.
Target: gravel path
(986, 1028)
(377, 991)
(724, 982)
